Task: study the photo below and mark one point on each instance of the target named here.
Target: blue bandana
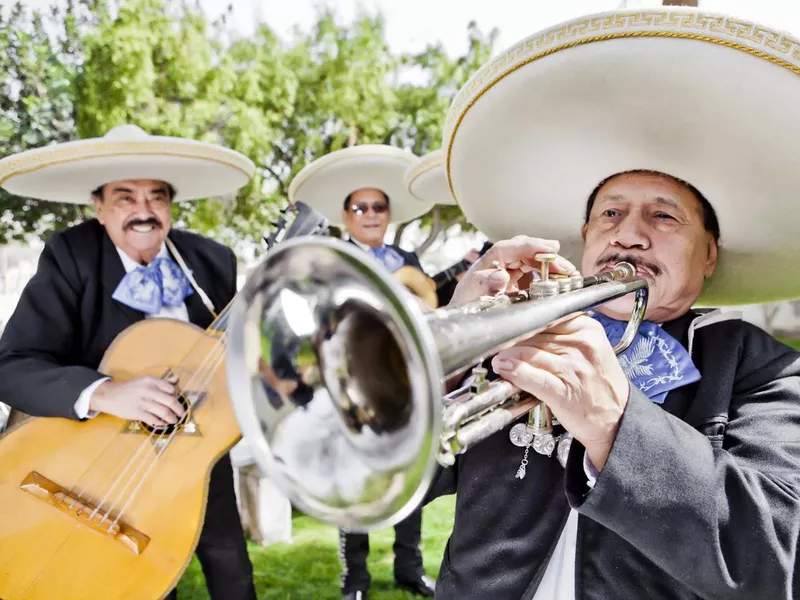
(390, 258)
(655, 362)
(148, 289)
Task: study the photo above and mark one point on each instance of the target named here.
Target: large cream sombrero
(426, 179)
(707, 98)
(325, 183)
(69, 172)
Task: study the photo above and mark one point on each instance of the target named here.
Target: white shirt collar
(131, 264)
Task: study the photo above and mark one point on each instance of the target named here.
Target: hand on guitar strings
(148, 399)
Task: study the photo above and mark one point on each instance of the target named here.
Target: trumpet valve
(479, 382)
(545, 258)
(543, 289)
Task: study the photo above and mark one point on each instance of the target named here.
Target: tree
(37, 103)
(163, 66)
(424, 109)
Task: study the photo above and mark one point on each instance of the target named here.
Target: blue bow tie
(148, 289)
(390, 258)
(655, 362)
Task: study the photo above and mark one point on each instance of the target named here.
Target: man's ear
(712, 255)
(584, 229)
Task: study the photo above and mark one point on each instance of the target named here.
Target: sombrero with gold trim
(69, 172)
(325, 183)
(707, 98)
(426, 179)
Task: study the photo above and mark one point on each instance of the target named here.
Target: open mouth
(143, 228)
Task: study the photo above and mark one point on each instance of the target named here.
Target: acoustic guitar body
(54, 546)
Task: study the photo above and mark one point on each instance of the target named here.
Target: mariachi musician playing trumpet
(626, 143)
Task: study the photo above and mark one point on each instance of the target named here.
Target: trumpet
(337, 377)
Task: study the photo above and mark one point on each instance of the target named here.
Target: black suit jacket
(66, 317)
(699, 498)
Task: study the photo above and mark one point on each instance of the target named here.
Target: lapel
(112, 274)
(678, 400)
(198, 313)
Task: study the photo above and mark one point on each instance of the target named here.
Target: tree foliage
(166, 67)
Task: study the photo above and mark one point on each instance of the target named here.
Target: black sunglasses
(363, 208)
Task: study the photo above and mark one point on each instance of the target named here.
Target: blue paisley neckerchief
(390, 258)
(148, 289)
(655, 362)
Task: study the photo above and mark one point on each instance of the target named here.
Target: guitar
(450, 273)
(113, 509)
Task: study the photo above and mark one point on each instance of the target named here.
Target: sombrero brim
(69, 172)
(325, 183)
(426, 179)
(704, 97)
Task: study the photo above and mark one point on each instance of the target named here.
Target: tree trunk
(398, 234)
(436, 229)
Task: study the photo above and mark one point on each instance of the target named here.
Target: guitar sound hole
(172, 427)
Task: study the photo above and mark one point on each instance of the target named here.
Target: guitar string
(148, 457)
(146, 443)
(220, 323)
(155, 460)
(212, 358)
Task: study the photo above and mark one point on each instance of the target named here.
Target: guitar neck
(450, 273)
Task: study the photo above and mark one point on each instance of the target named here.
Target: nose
(631, 232)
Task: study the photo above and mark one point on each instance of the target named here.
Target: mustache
(151, 221)
(637, 262)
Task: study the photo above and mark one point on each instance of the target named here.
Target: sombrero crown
(426, 179)
(707, 98)
(69, 172)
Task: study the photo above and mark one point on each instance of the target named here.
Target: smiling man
(96, 279)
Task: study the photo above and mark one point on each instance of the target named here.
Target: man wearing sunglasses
(366, 214)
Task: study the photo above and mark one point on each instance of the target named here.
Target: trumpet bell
(335, 383)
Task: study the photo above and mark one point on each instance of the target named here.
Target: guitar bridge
(48, 491)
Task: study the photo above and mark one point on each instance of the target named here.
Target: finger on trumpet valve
(545, 258)
(545, 287)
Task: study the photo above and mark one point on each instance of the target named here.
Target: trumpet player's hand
(572, 368)
(515, 259)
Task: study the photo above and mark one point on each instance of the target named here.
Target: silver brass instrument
(337, 376)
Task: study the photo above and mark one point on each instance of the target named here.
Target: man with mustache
(99, 277)
(676, 469)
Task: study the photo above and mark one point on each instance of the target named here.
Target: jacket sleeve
(39, 343)
(720, 516)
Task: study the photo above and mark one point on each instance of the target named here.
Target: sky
(412, 24)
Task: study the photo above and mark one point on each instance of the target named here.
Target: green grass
(793, 343)
(308, 567)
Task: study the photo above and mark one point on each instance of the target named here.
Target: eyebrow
(160, 189)
(659, 200)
